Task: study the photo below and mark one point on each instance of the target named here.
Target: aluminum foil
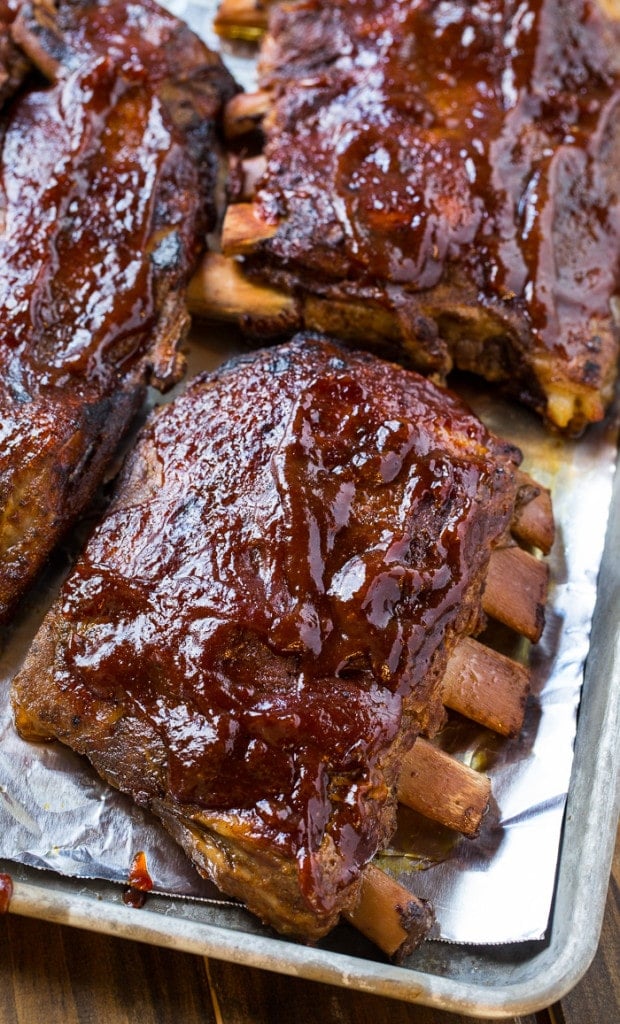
(55, 814)
(499, 887)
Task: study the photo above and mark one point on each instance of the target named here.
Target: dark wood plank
(66, 976)
(246, 994)
(33, 972)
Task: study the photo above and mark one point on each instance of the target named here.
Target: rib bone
(243, 230)
(220, 290)
(486, 687)
(241, 19)
(388, 914)
(515, 592)
(245, 111)
(533, 520)
(442, 789)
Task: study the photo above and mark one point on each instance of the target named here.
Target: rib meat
(258, 628)
(14, 65)
(107, 176)
(444, 180)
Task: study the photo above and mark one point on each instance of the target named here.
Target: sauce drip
(140, 882)
(139, 877)
(6, 892)
(134, 898)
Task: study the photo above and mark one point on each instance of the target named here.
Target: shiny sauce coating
(106, 180)
(77, 289)
(292, 542)
(107, 170)
(100, 198)
(425, 143)
(6, 892)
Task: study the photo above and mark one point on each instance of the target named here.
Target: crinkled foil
(55, 814)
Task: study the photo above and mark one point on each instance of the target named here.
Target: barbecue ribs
(258, 629)
(443, 179)
(14, 65)
(107, 176)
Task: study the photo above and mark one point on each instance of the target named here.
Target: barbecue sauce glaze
(77, 296)
(292, 544)
(140, 882)
(6, 892)
(105, 182)
(107, 170)
(468, 144)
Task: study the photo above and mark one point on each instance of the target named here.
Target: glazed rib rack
(107, 180)
(259, 640)
(439, 181)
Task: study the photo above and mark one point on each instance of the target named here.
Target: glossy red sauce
(139, 877)
(140, 882)
(106, 178)
(77, 295)
(420, 143)
(6, 892)
(268, 599)
(134, 898)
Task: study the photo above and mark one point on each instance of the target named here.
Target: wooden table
(56, 975)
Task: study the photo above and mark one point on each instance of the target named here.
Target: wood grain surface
(57, 975)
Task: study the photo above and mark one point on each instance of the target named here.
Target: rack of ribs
(275, 608)
(107, 174)
(440, 181)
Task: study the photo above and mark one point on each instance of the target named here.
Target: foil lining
(55, 814)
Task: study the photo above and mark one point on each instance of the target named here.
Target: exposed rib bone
(251, 169)
(241, 19)
(388, 914)
(515, 591)
(533, 519)
(243, 230)
(220, 290)
(486, 687)
(245, 111)
(443, 789)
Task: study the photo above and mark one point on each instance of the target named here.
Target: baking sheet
(489, 981)
(581, 475)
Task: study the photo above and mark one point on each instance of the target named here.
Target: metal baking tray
(494, 981)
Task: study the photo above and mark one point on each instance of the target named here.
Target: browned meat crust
(14, 65)
(257, 629)
(447, 177)
(106, 191)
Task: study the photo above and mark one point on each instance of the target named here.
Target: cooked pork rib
(106, 182)
(444, 178)
(258, 629)
(14, 65)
